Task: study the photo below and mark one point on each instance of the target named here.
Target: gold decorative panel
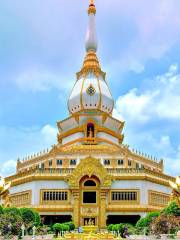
(21, 198)
(158, 198)
(89, 211)
(89, 166)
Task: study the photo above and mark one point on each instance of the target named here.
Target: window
(106, 162)
(90, 183)
(89, 197)
(73, 162)
(59, 162)
(124, 196)
(50, 163)
(129, 163)
(55, 196)
(120, 162)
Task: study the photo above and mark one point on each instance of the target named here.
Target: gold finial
(92, 8)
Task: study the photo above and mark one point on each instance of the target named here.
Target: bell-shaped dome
(91, 91)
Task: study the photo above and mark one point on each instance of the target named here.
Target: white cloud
(155, 145)
(152, 118)
(49, 134)
(160, 101)
(156, 31)
(40, 80)
(8, 168)
(23, 142)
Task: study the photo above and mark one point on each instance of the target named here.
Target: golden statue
(4, 191)
(176, 190)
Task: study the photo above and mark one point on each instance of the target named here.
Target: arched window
(90, 130)
(89, 183)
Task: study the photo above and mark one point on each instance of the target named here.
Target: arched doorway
(89, 200)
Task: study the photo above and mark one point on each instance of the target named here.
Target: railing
(41, 172)
(137, 171)
(112, 171)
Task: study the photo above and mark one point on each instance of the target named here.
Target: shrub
(171, 209)
(42, 230)
(10, 224)
(115, 227)
(57, 227)
(65, 227)
(142, 226)
(71, 226)
(131, 228)
(165, 224)
(13, 211)
(109, 227)
(28, 216)
(120, 228)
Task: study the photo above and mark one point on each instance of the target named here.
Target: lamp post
(34, 231)
(23, 230)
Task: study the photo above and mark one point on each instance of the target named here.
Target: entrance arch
(89, 200)
(89, 169)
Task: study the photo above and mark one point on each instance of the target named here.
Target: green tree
(171, 209)
(13, 211)
(10, 224)
(37, 218)
(143, 224)
(165, 224)
(30, 216)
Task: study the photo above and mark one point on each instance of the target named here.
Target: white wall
(72, 137)
(144, 186)
(108, 137)
(35, 186)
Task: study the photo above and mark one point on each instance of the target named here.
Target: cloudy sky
(42, 47)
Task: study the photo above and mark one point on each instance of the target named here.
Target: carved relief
(89, 166)
(89, 211)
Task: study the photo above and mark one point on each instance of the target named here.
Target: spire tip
(92, 8)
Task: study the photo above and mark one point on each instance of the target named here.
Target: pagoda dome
(91, 91)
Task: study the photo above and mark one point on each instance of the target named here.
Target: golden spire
(91, 63)
(92, 8)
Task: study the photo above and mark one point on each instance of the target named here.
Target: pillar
(75, 194)
(102, 209)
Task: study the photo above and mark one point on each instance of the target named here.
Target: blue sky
(42, 47)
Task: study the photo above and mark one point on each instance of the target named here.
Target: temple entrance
(89, 201)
